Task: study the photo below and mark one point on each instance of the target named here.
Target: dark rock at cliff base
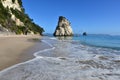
(63, 28)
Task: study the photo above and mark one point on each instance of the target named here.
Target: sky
(91, 16)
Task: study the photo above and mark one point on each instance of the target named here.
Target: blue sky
(91, 16)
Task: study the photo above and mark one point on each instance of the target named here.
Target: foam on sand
(67, 60)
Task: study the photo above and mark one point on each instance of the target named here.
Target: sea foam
(67, 60)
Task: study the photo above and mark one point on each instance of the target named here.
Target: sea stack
(63, 27)
(84, 34)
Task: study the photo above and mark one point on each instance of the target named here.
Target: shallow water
(67, 60)
(97, 40)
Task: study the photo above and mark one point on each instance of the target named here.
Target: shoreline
(15, 49)
(72, 60)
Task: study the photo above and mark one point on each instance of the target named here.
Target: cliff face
(12, 4)
(14, 19)
(63, 28)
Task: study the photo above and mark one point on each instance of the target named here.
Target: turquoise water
(106, 41)
(71, 58)
(97, 40)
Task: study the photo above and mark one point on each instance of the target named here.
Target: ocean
(91, 57)
(105, 41)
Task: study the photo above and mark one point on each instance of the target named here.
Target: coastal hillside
(13, 19)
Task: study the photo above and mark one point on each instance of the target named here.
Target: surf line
(34, 54)
(52, 48)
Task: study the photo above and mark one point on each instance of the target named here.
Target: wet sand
(66, 60)
(17, 48)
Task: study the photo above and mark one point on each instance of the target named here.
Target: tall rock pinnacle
(63, 28)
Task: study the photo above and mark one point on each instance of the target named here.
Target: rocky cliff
(63, 28)
(13, 18)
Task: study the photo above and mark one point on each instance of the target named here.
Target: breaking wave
(67, 60)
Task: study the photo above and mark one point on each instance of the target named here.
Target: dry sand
(16, 48)
(66, 60)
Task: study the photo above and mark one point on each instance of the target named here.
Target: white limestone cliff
(10, 4)
(15, 5)
(63, 28)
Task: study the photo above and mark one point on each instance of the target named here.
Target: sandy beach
(17, 48)
(63, 60)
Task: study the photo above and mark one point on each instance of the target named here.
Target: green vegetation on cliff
(5, 17)
(8, 23)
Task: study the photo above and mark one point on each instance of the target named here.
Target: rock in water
(63, 28)
(84, 34)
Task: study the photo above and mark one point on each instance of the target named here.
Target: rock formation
(84, 34)
(63, 28)
(14, 19)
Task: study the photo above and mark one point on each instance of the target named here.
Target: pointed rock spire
(63, 28)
